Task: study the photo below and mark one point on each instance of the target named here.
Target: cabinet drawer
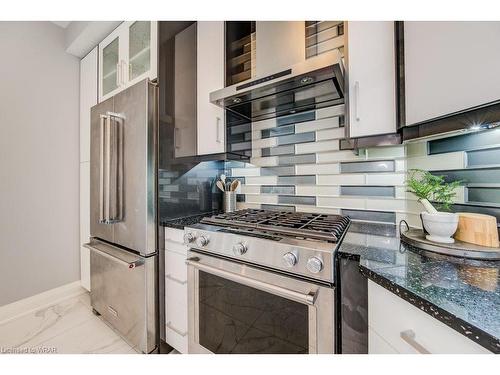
(176, 306)
(176, 247)
(175, 235)
(409, 330)
(176, 315)
(175, 266)
(177, 341)
(377, 345)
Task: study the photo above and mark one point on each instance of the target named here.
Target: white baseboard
(39, 301)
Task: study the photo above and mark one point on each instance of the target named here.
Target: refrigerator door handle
(115, 170)
(103, 125)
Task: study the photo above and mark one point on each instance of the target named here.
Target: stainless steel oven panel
(319, 299)
(258, 250)
(123, 292)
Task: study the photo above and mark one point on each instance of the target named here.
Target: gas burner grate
(296, 224)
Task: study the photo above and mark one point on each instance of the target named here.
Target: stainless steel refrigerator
(123, 213)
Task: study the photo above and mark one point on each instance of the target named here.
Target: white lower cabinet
(396, 326)
(176, 309)
(84, 224)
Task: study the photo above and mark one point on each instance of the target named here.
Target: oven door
(236, 308)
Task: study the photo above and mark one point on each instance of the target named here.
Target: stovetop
(301, 244)
(296, 224)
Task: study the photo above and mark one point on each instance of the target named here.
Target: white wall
(39, 160)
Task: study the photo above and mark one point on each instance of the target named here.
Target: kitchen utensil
(229, 201)
(223, 178)
(478, 229)
(221, 186)
(234, 185)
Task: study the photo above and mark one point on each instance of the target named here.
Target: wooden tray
(416, 237)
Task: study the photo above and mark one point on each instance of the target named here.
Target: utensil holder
(229, 201)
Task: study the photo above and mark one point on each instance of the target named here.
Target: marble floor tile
(66, 327)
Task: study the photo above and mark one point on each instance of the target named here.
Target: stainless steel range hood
(315, 83)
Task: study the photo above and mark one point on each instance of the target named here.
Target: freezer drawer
(123, 291)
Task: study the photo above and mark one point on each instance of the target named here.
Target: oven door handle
(307, 299)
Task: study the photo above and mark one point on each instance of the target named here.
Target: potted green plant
(428, 187)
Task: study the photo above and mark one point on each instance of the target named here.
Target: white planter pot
(441, 226)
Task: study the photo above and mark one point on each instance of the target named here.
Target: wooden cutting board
(478, 229)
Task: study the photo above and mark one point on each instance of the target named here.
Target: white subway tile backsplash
(385, 179)
(264, 124)
(261, 180)
(317, 169)
(342, 179)
(389, 152)
(386, 204)
(317, 210)
(249, 189)
(244, 172)
(317, 190)
(263, 143)
(337, 110)
(298, 166)
(262, 198)
(336, 156)
(341, 202)
(310, 147)
(265, 162)
(336, 133)
(326, 123)
(448, 161)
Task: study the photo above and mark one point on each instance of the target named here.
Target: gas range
(297, 243)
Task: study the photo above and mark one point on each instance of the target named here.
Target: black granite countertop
(181, 222)
(463, 294)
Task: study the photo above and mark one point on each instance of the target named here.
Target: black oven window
(235, 318)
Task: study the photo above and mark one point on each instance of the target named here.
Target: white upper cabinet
(370, 78)
(126, 56)
(449, 67)
(210, 77)
(279, 45)
(88, 98)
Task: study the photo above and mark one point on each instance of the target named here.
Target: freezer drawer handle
(130, 265)
(307, 299)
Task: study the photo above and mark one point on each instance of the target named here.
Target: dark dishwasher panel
(353, 306)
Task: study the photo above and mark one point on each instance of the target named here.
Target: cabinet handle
(356, 100)
(124, 71)
(174, 279)
(409, 337)
(179, 332)
(217, 124)
(118, 74)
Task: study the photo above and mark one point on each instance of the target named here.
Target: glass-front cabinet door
(110, 67)
(141, 50)
(127, 56)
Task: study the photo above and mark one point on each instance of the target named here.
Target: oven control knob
(290, 259)
(202, 241)
(239, 249)
(315, 264)
(188, 237)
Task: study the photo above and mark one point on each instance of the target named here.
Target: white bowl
(440, 226)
